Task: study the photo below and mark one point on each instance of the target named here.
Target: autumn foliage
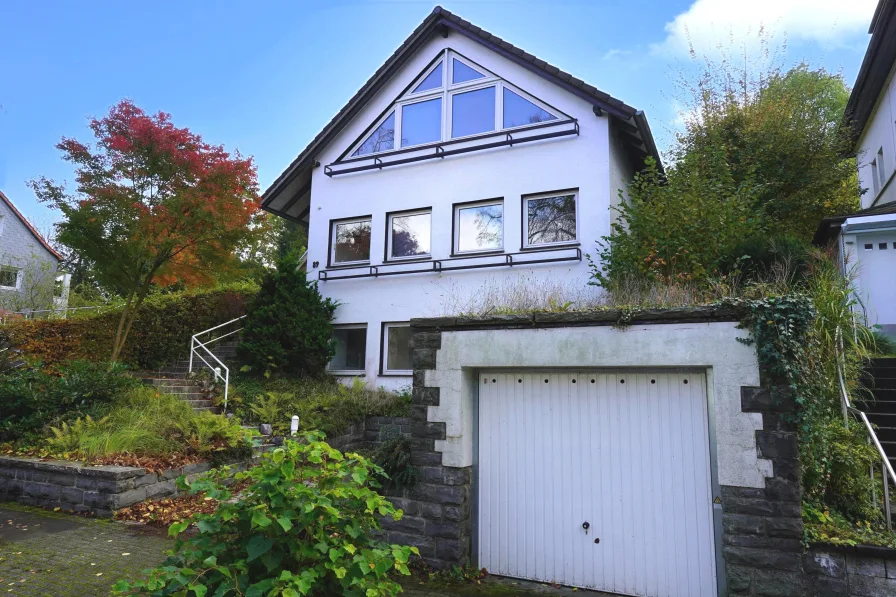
(154, 204)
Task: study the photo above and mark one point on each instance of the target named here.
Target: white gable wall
(581, 162)
(879, 133)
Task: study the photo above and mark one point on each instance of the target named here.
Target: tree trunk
(117, 342)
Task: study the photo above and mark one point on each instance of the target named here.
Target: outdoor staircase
(173, 378)
(881, 409)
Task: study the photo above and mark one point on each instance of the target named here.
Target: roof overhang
(872, 219)
(289, 195)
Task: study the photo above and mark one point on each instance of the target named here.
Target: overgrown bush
(394, 457)
(145, 422)
(322, 404)
(288, 330)
(160, 334)
(32, 399)
(761, 258)
(304, 526)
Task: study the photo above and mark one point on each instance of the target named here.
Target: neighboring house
(464, 162)
(29, 276)
(868, 237)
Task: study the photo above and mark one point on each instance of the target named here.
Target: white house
(29, 276)
(464, 163)
(867, 238)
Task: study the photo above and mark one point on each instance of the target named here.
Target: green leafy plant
(393, 456)
(287, 330)
(304, 526)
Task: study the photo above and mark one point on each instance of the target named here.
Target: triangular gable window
(469, 102)
(461, 73)
(432, 81)
(519, 111)
(382, 139)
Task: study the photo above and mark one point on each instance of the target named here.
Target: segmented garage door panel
(627, 452)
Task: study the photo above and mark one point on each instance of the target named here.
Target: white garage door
(877, 259)
(626, 453)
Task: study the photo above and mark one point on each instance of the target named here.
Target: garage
(597, 479)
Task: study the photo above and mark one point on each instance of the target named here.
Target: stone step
(199, 403)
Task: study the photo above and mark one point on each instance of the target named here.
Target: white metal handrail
(887, 471)
(62, 311)
(195, 345)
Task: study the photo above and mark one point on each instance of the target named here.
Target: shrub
(288, 330)
(160, 334)
(147, 423)
(304, 526)
(394, 457)
(884, 345)
(760, 258)
(31, 398)
(322, 404)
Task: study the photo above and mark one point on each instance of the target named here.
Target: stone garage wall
(73, 486)
(851, 571)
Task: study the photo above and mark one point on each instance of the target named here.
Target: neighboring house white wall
(585, 162)
(35, 266)
(876, 149)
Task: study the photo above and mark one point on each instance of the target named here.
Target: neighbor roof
(876, 66)
(28, 225)
(640, 139)
(830, 227)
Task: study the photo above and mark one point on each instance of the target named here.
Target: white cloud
(710, 24)
(614, 53)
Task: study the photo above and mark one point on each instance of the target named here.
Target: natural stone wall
(851, 571)
(762, 529)
(96, 489)
(370, 433)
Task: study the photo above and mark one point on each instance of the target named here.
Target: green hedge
(160, 334)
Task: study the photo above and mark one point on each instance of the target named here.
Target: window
(875, 181)
(351, 348)
(479, 227)
(869, 247)
(451, 99)
(473, 112)
(882, 246)
(382, 139)
(397, 348)
(881, 168)
(409, 234)
(549, 219)
(351, 241)
(520, 112)
(9, 277)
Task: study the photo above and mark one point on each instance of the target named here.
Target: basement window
(397, 349)
(549, 219)
(9, 278)
(351, 349)
(350, 241)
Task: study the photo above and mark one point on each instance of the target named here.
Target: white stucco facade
(589, 163)
(876, 148)
(709, 347)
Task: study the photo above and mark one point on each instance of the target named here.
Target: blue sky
(265, 76)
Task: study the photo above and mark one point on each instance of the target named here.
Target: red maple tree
(154, 204)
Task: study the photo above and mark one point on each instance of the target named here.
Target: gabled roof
(635, 130)
(28, 225)
(830, 227)
(876, 66)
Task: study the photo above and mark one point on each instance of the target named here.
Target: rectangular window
(9, 277)
(421, 122)
(881, 168)
(869, 247)
(351, 241)
(397, 348)
(351, 349)
(479, 227)
(549, 219)
(409, 234)
(473, 112)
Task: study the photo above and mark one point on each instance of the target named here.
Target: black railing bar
(453, 268)
(446, 153)
(386, 154)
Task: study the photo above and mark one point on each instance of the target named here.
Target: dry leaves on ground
(165, 512)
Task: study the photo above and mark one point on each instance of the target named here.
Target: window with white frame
(409, 234)
(351, 349)
(479, 227)
(397, 348)
(9, 277)
(549, 219)
(350, 241)
(875, 181)
(881, 168)
(454, 98)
